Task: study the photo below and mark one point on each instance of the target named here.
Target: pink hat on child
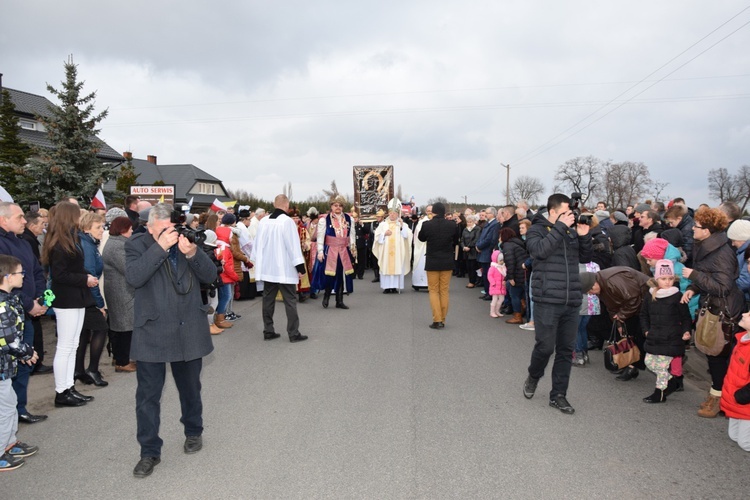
(655, 249)
(664, 269)
(497, 254)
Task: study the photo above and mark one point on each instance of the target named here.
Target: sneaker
(9, 462)
(561, 403)
(529, 387)
(21, 450)
(578, 359)
(230, 317)
(527, 326)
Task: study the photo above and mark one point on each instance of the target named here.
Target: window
(27, 124)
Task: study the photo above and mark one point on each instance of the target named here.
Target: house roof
(31, 105)
(183, 176)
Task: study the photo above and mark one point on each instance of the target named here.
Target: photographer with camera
(166, 270)
(558, 242)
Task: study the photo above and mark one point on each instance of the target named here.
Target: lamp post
(507, 183)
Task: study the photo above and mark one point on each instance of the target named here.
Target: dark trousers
(556, 327)
(471, 269)
(38, 338)
(375, 266)
(360, 265)
(717, 367)
(289, 295)
(516, 296)
(21, 380)
(187, 378)
(121, 346)
(485, 271)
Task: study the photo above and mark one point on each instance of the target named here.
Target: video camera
(178, 219)
(576, 202)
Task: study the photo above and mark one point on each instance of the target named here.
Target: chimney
(128, 155)
(151, 159)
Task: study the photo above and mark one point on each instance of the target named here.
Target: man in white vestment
(418, 274)
(392, 248)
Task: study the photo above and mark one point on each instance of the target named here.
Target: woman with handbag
(714, 274)
(666, 325)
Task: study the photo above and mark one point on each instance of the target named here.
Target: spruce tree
(71, 167)
(126, 178)
(14, 153)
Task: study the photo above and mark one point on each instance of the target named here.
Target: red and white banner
(217, 205)
(98, 200)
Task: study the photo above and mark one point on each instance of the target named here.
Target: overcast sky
(260, 94)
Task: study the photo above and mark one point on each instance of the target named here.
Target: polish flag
(98, 201)
(217, 205)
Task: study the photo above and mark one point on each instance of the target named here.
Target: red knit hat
(654, 248)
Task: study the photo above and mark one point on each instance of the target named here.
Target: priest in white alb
(392, 248)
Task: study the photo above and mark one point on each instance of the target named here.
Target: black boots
(674, 385)
(629, 373)
(340, 300)
(326, 298)
(658, 396)
(96, 377)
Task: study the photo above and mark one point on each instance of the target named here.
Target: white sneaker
(527, 326)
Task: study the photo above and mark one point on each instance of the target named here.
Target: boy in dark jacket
(557, 246)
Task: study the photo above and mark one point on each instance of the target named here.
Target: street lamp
(507, 183)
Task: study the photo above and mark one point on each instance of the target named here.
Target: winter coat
(34, 283)
(33, 241)
(440, 235)
(656, 228)
(743, 281)
(557, 250)
(665, 320)
(238, 256)
(512, 223)
(514, 253)
(622, 290)
(623, 254)
(714, 276)
(11, 335)
(120, 295)
(602, 247)
(170, 317)
(92, 262)
(224, 254)
(469, 238)
(686, 229)
(496, 277)
(488, 241)
(738, 377)
(69, 279)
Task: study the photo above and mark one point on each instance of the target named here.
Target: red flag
(98, 201)
(217, 205)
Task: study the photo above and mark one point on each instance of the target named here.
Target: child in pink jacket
(496, 277)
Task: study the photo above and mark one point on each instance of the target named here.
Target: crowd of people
(153, 284)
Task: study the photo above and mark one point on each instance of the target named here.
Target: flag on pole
(98, 200)
(161, 200)
(217, 205)
(190, 203)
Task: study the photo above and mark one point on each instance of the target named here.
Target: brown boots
(517, 319)
(215, 330)
(221, 322)
(710, 407)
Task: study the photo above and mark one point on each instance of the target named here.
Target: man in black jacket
(557, 246)
(440, 236)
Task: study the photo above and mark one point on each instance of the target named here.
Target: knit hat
(619, 216)
(497, 255)
(601, 214)
(673, 236)
(228, 219)
(587, 281)
(114, 213)
(739, 230)
(655, 249)
(664, 269)
(210, 238)
(641, 207)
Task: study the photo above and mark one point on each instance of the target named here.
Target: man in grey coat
(170, 326)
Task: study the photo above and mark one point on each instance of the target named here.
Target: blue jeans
(187, 378)
(555, 327)
(516, 295)
(21, 380)
(582, 340)
(225, 293)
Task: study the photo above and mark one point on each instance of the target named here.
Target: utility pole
(507, 183)
(465, 202)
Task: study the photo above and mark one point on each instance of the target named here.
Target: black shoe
(84, 378)
(145, 466)
(193, 444)
(658, 396)
(341, 305)
(630, 373)
(78, 395)
(65, 398)
(326, 299)
(387, 290)
(674, 385)
(561, 403)
(529, 387)
(97, 378)
(28, 418)
(313, 295)
(270, 335)
(297, 338)
(488, 298)
(441, 324)
(40, 369)
(376, 280)
(301, 298)
(435, 325)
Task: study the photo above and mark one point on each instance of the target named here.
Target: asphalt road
(376, 405)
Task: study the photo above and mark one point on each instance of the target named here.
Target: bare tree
(399, 193)
(658, 187)
(580, 174)
(625, 183)
(743, 184)
(333, 192)
(526, 188)
(723, 186)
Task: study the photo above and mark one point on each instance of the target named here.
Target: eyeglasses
(696, 226)
(22, 273)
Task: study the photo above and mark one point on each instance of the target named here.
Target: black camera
(178, 219)
(576, 202)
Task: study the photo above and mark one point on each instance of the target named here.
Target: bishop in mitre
(392, 247)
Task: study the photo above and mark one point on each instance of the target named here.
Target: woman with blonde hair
(63, 253)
